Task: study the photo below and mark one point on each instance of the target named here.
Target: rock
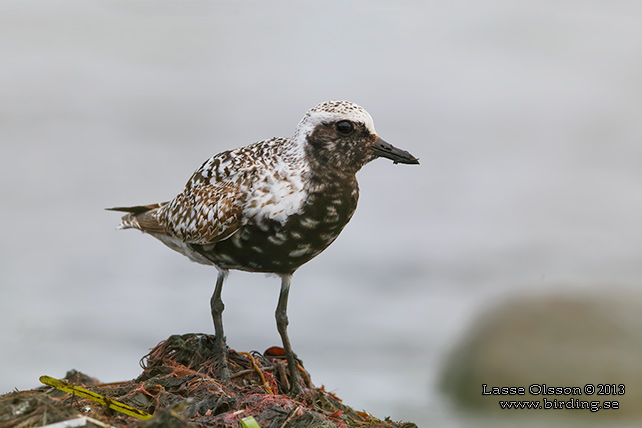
(576, 345)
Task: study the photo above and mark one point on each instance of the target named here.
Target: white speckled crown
(332, 111)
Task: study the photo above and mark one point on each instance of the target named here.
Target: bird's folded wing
(203, 214)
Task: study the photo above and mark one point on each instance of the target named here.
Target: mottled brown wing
(203, 214)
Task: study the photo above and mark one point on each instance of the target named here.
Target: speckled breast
(270, 246)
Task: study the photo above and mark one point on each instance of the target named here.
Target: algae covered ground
(179, 388)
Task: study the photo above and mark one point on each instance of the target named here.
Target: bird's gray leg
(282, 327)
(217, 306)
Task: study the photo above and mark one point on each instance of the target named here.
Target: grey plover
(271, 206)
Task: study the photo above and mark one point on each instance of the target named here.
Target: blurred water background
(525, 115)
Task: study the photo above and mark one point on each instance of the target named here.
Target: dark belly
(270, 246)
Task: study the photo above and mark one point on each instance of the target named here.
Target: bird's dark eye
(345, 127)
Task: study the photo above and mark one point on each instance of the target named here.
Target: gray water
(526, 117)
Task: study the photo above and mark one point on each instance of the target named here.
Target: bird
(270, 206)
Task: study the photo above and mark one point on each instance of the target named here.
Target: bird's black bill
(387, 150)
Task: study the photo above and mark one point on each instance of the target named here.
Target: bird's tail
(141, 217)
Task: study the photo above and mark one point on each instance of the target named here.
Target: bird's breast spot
(328, 236)
(236, 240)
(278, 239)
(301, 251)
(309, 223)
(295, 235)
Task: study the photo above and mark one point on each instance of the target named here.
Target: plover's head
(341, 135)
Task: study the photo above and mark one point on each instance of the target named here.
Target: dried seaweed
(180, 388)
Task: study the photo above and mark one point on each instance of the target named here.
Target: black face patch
(329, 147)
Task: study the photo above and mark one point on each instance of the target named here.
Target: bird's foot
(220, 354)
(295, 388)
(223, 373)
(296, 372)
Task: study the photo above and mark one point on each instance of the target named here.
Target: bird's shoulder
(239, 165)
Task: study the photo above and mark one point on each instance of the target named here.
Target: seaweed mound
(179, 387)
